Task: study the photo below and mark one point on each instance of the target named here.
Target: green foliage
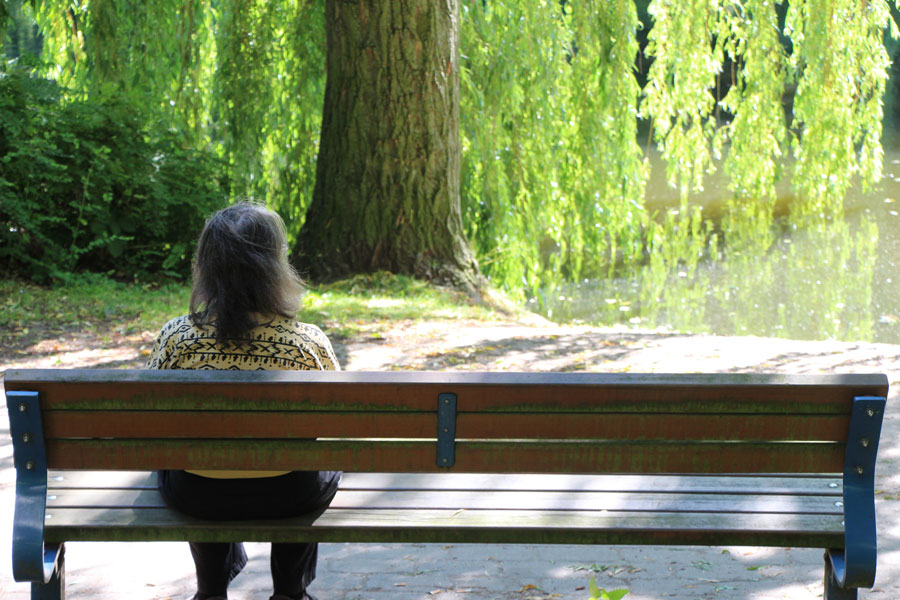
(677, 96)
(150, 52)
(274, 53)
(22, 36)
(367, 303)
(553, 172)
(85, 186)
(841, 63)
(244, 79)
(552, 177)
(88, 303)
(601, 594)
(756, 134)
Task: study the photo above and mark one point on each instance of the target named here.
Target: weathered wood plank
(557, 392)
(475, 457)
(695, 484)
(310, 424)
(490, 499)
(455, 526)
(813, 485)
(61, 479)
(236, 424)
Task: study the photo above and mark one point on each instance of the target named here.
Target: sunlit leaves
(841, 69)
(553, 174)
(757, 133)
(678, 95)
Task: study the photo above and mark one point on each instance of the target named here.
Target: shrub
(88, 186)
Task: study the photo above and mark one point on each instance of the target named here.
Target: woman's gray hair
(241, 271)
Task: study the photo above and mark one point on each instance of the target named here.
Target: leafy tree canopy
(562, 101)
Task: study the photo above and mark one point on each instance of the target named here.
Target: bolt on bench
(715, 459)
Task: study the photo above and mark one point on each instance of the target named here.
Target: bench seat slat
(826, 485)
(475, 456)
(455, 526)
(811, 485)
(285, 424)
(499, 500)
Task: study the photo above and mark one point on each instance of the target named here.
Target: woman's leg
(290, 495)
(293, 568)
(217, 565)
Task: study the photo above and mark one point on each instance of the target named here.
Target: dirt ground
(532, 344)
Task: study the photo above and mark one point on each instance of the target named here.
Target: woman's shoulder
(161, 354)
(177, 323)
(309, 337)
(286, 325)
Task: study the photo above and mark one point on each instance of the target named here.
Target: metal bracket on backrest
(446, 430)
(854, 566)
(30, 457)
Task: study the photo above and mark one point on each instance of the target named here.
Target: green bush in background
(95, 185)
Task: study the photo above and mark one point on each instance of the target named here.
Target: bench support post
(30, 561)
(854, 565)
(832, 591)
(55, 589)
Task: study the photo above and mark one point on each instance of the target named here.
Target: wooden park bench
(718, 459)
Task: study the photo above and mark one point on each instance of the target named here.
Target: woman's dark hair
(241, 271)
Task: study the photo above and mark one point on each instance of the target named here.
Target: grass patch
(89, 304)
(368, 304)
(363, 305)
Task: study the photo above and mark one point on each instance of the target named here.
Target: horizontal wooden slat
(553, 392)
(474, 457)
(283, 424)
(687, 484)
(455, 526)
(812, 485)
(236, 424)
(647, 501)
(632, 426)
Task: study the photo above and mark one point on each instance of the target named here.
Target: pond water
(837, 279)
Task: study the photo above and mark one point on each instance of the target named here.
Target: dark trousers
(293, 565)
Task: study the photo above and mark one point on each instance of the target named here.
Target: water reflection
(756, 269)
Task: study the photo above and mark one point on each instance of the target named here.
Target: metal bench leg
(832, 591)
(55, 589)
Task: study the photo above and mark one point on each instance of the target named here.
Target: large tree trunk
(387, 180)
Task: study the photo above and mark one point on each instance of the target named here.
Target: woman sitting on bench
(243, 306)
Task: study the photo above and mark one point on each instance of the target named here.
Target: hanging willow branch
(841, 69)
(687, 60)
(553, 177)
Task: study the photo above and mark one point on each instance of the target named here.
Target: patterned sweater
(279, 344)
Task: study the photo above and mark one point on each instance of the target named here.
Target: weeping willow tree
(560, 105)
(387, 189)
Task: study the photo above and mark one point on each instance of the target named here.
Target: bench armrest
(854, 565)
(30, 561)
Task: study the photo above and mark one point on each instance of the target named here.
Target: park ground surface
(420, 571)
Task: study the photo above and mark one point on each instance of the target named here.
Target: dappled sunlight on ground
(82, 351)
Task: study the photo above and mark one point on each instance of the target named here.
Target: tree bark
(387, 180)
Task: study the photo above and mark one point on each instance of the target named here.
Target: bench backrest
(467, 422)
